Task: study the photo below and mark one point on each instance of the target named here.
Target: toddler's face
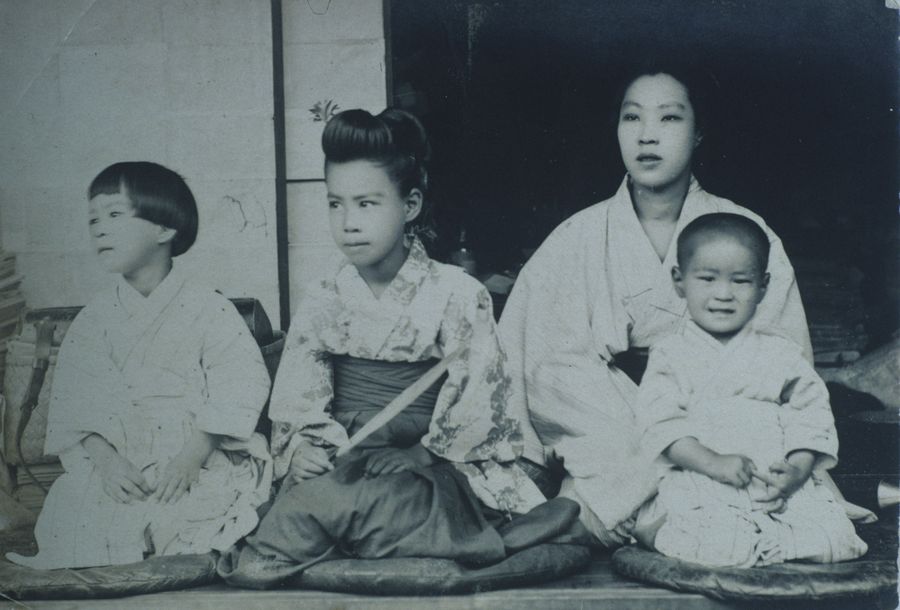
(123, 242)
(656, 131)
(366, 212)
(722, 285)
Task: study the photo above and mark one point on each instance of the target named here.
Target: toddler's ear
(763, 285)
(678, 281)
(165, 234)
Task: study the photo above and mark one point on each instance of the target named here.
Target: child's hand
(179, 475)
(732, 469)
(389, 461)
(184, 469)
(309, 461)
(782, 480)
(122, 481)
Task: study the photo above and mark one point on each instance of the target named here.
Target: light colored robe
(594, 289)
(144, 373)
(428, 311)
(754, 396)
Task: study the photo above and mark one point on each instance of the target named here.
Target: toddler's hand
(122, 481)
(782, 480)
(732, 469)
(178, 477)
(389, 461)
(309, 461)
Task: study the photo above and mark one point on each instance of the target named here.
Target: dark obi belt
(363, 387)
(633, 362)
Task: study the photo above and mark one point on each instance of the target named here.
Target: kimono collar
(402, 288)
(641, 267)
(136, 304)
(696, 333)
(694, 200)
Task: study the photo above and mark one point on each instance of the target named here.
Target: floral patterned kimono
(594, 290)
(144, 373)
(341, 349)
(754, 396)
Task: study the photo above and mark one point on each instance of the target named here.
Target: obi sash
(633, 362)
(363, 387)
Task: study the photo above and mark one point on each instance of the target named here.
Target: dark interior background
(517, 96)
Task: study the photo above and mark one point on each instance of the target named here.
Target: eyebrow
(373, 194)
(666, 105)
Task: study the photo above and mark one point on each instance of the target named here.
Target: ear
(413, 205)
(678, 281)
(165, 234)
(763, 286)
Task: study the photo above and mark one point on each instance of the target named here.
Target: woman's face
(657, 133)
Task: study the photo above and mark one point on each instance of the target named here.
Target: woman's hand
(122, 481)
(732, 469)
(390, 461)
(309, 461)
(184, 469)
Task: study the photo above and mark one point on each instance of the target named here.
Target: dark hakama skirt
(424, 512)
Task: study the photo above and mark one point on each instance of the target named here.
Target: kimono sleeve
(806, 413)
(470, 420)
(237, 382)
(558, 326)
(661, 406)
(782, 306)
(303, 392)
(87, 394)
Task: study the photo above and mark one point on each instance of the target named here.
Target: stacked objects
(834, 310)
(11, 303)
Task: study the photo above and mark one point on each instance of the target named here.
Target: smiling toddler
(738, 419)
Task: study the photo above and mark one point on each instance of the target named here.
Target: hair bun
(394, 138)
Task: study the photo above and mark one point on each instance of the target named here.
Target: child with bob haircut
(738, 418)
(155, 397)
(424, 484)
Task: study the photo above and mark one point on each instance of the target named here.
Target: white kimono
(144, 373)
(754, 396)
(594, 289)
(428, 311)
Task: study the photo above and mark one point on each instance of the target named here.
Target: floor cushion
(872, 577)
(424, 576)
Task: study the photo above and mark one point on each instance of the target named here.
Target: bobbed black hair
(709, 227)
(158, 195)
(394, 139)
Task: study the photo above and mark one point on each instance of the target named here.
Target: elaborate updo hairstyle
(157, 194)
(393, 139)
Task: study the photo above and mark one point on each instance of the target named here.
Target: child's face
(657, 134)
(722, 285)
(367, 213)
(124, 243)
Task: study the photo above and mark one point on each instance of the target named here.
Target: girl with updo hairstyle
(437, 478)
